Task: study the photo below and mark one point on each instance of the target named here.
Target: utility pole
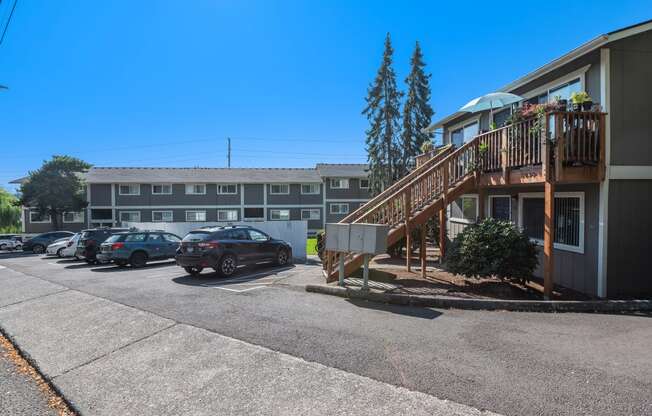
(228, 153)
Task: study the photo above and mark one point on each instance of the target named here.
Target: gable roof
(346, 170)
(581, 50)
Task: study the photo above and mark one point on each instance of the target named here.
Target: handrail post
(407, 208)
(442, 212)
(504, 154)
(560, 147)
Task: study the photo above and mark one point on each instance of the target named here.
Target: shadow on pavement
(243, 275)
(412, 311)
(16, 254)
(112, 268)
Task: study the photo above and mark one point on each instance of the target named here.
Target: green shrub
(492, 248)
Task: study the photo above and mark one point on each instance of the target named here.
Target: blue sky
(164, 83)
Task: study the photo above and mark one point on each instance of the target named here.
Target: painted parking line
(269, 278)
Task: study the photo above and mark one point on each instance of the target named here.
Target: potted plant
(560, 103)
(581, 101)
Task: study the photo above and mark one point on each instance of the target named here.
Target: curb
(605, 306)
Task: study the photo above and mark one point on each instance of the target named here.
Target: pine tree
(417, 112)
(383, 112)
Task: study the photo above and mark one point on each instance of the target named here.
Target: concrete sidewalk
(107, 358)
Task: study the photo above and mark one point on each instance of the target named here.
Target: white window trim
(128, 184)
(579, 73)
(464, 220)
(360, 182)
(490, 205)
(162, 193)
(348, 183)
(309, 211)
(576, 249)
(162, 220)
(81, 213)
(196, 211)
(461, 125)
(49, 220)
(271, 215)
(130, 212)
(330, 208)
(227, 211)
(272, 185)
(310, 193)
(219, 185)
(193, 185)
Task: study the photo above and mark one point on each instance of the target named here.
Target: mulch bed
(392, 273)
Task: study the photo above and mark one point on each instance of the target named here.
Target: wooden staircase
(558, 147)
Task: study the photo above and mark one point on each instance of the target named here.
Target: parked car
(57, 246)
(138, 247)
(11, 242)
(37, 244)
(225, 248)
(90, 240)
(71, 247)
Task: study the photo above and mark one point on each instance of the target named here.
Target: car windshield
(196, 236)
(113, 238)
(85, 234)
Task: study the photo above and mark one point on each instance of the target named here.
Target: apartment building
(115, 195)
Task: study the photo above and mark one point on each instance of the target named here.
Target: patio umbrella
(491, 101)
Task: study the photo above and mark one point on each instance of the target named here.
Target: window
(500, 207)
(279, 214)
(463, 134)
(162, 189)
(310, 188)
(565, 90)
(279, 189)
(465, 209)
(364, 183)
(339, 183)
(195, 216)
(155, 238)
(36, 217)
(254, 213)
(196, 189)
(129, 216)
(227, 189)
(129, 189)
(227, 214)
(237, 234)
(258, 235)
(71, 217)
(162, 216)
(135, 238)
(171, 238)
(339, 208)
(310, 214)
(568, 219)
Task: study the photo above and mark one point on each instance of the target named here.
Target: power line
(4, 32)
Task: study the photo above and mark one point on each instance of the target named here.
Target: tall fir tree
(417, 112)
(383, 112)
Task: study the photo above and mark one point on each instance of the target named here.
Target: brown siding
(630, 238)
(631, 89)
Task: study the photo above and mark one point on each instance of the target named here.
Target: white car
(71, 246)
(10, 242)
(56, 248)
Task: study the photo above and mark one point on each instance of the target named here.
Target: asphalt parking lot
(105, 333)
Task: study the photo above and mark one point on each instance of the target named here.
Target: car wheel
(193, 271)
(3, 246)
(282, 257)
(60, 253)
(227, 265)
(38, 249)
(138, 259)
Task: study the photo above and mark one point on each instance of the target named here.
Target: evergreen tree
(417, 112)
(383, 112)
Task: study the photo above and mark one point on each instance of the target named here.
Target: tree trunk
(55, 220)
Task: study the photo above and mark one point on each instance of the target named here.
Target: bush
(492, 248)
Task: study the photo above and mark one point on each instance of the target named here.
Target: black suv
(39, 243)
(90, 240)
(225, 248)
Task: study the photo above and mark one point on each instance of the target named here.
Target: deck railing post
(442, 211)
(504, 154)
(408, 234)
(422, 251)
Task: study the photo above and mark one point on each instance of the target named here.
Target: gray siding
(295, 197)
(630, 244)
(631, 89)
(178, 197)
(254, 194)
(330, 218)
(37, 228)
(353, 192)
(100, 194)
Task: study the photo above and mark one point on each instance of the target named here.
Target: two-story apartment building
(117, 195)
(602, 223)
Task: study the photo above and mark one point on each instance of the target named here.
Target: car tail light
(117, 246)
(208, 244)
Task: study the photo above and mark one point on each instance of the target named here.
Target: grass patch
(311, 246)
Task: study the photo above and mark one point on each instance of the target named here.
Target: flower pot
(586, 105)
(562, 105)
